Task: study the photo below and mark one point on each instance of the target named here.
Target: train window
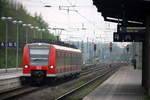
(65, 54)
(60, 54)
(73, 59)
(39, 56)
(60, 59)
(67, 60)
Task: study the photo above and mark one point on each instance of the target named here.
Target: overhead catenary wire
(73, 7)
(69, 2)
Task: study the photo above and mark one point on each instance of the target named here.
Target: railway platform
(125, 84)
(11, 73)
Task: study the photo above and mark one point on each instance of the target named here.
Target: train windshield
(39, 56)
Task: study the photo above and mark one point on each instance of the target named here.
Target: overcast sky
(83, 15)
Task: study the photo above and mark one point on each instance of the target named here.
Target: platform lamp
(6, 19)
(40, 35)
(36, 28)
(32, 28)
(26, 26)
(42, 32)
(17, 51)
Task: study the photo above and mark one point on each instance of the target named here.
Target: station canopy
(132, 10)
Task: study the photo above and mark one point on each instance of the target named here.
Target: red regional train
(42, 61)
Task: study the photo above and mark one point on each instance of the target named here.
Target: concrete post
(143, 64)
(148, 51)
(146, 60)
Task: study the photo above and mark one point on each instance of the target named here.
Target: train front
(36, 61)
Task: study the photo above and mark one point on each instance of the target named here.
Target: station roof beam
(136, 10)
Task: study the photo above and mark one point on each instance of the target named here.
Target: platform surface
(11, 73)
(125, 84)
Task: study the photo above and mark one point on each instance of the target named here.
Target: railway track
(9, 95)
(23, 90)
(93, 70)
(9, 83)
(71, 92)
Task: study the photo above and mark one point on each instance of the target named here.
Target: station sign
(131, 29)
(128, 37)
(135, 29)
(9, 44)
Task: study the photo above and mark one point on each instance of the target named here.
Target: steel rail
(22, 90)
(62, 97)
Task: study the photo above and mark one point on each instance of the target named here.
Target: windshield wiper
(38, 59)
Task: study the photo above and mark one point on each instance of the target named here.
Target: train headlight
(51, 66)
(26, 66)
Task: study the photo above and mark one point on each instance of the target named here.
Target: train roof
(38, 44)
(66, 48)
(57, 47)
